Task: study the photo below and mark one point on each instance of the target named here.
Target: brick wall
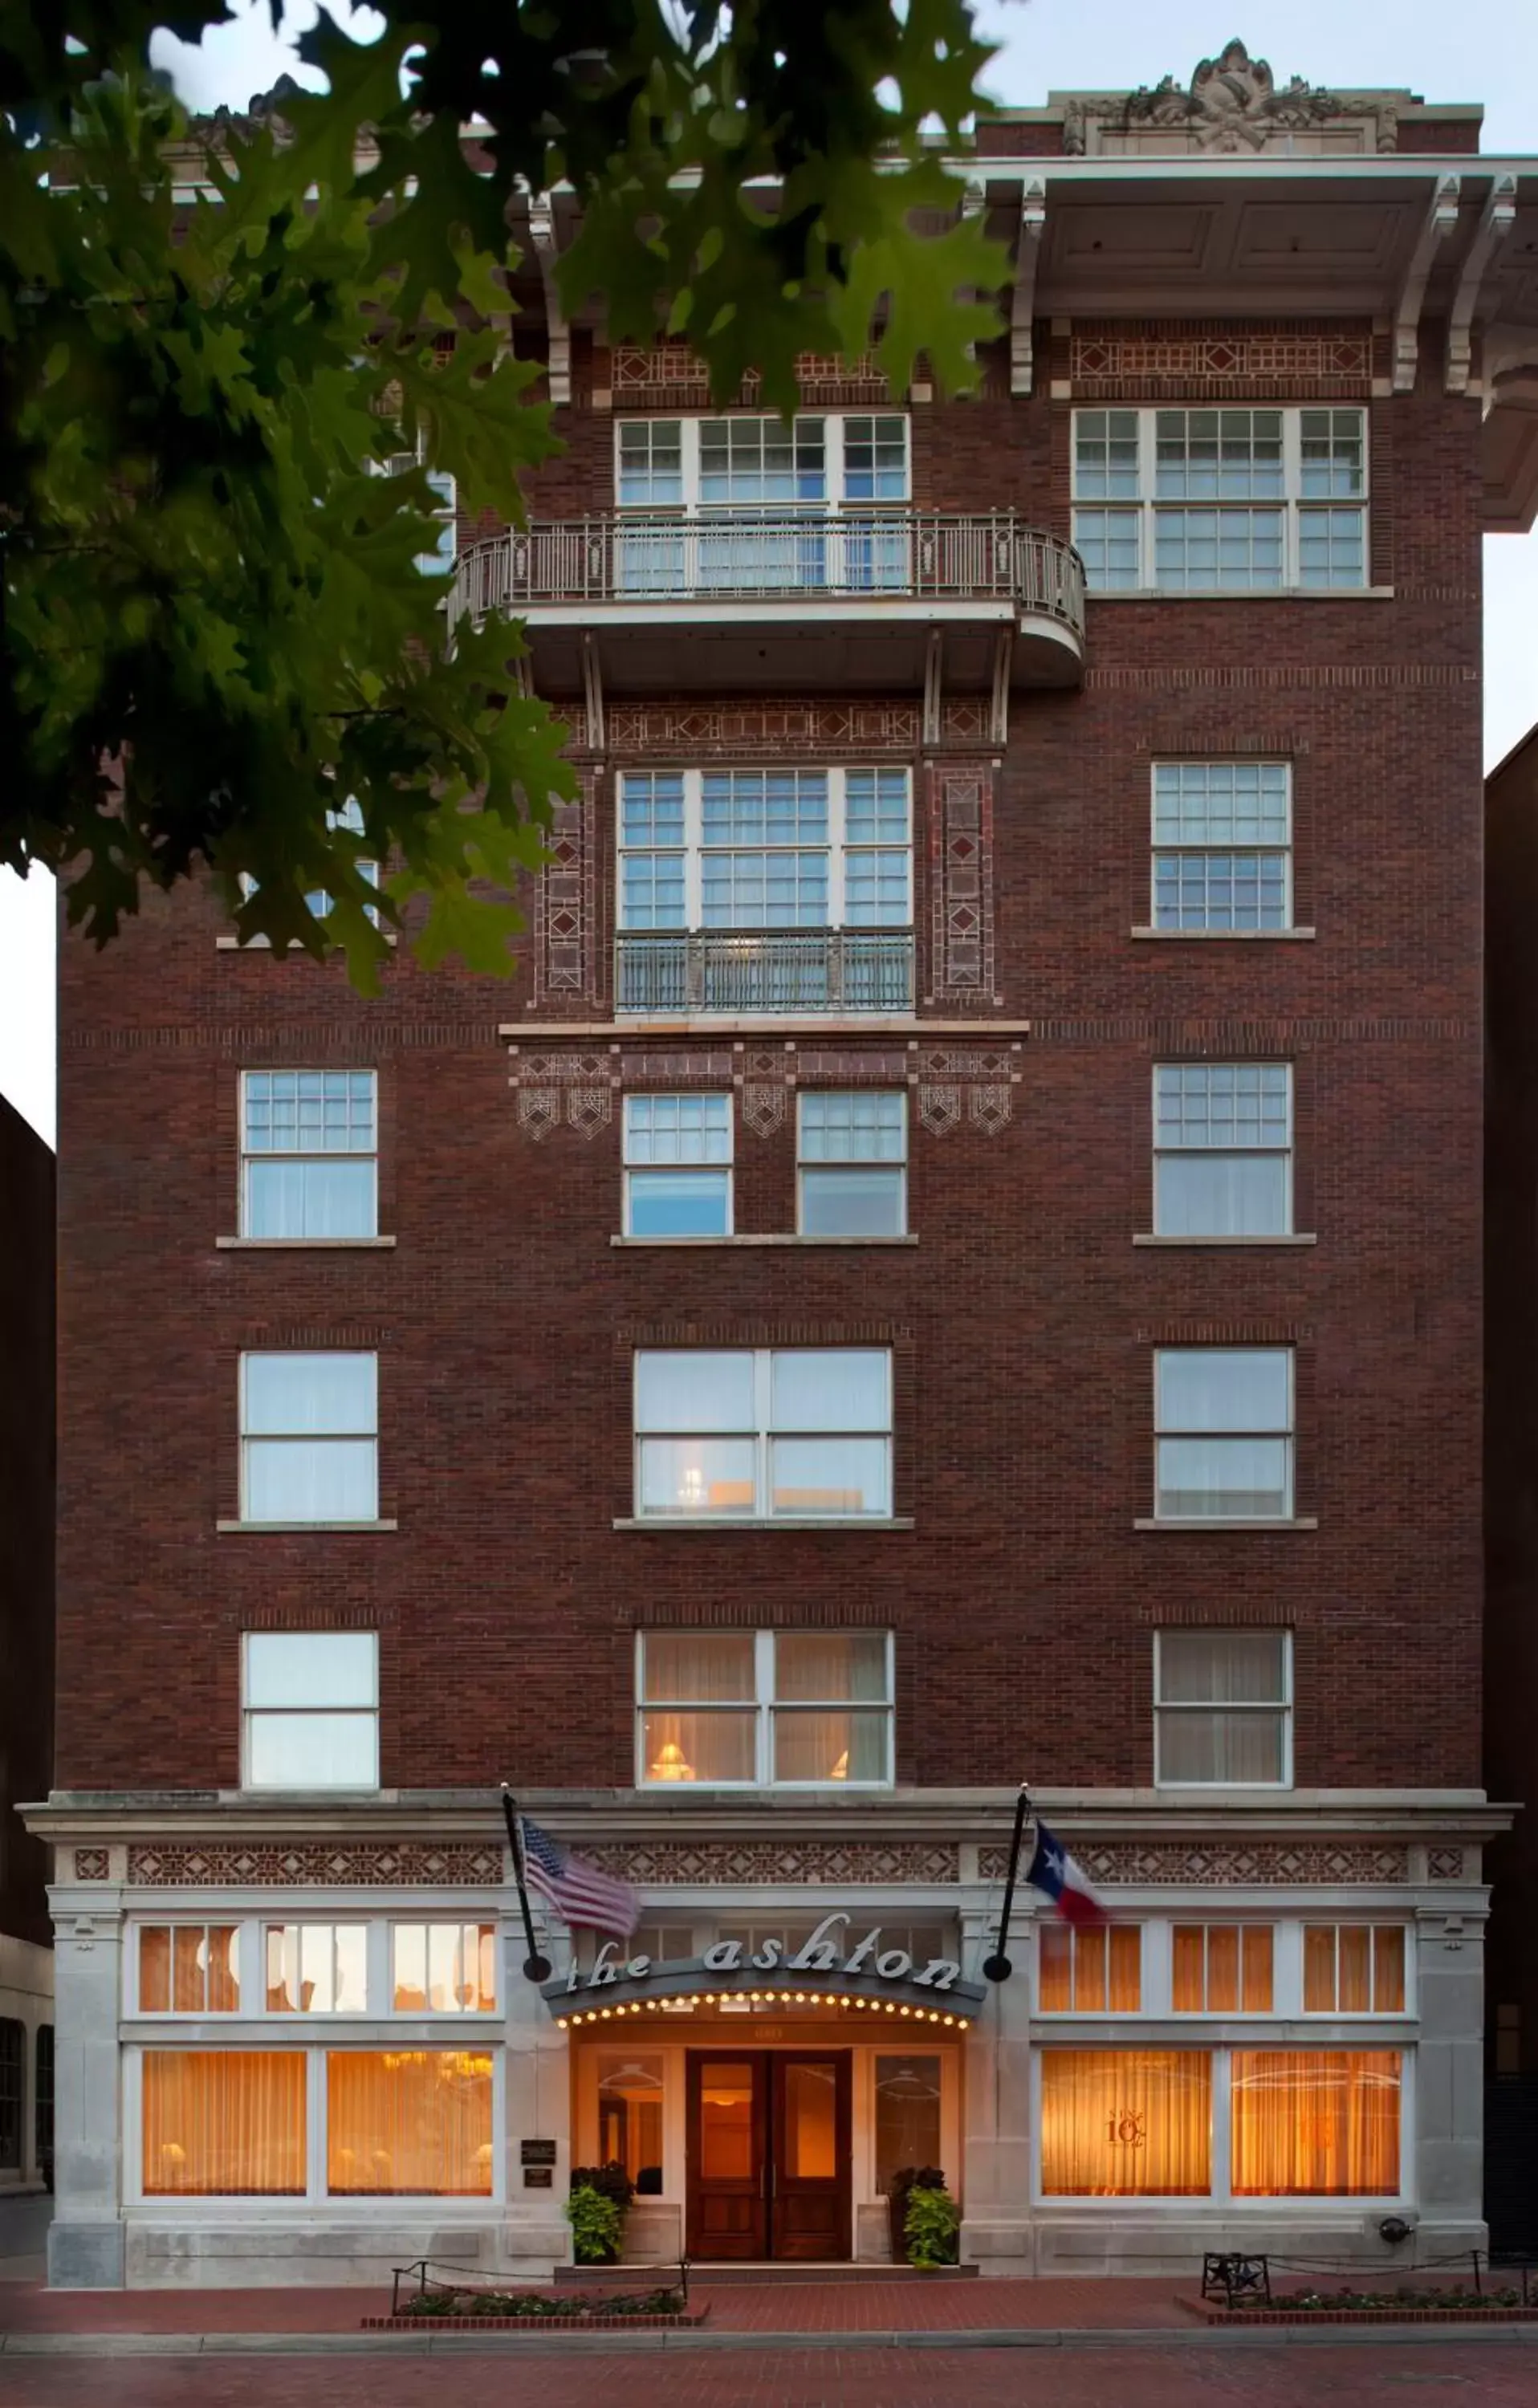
(1023, 1321)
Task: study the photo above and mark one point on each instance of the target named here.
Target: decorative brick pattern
(764, 1106)
(669, 1863)
(588, 1109)
(938, 1106)
(538, 1111)
(567, 953)
(1129, 363)
(1150, 1863)
(1445, 1864)
(668, 376)
(309, 1865)
(91, 1864)
(961, 882)
(692, 733)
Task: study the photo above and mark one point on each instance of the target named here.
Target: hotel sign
(829, 1968)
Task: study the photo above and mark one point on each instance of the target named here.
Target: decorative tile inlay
(588, 1109)
(91, 1864)
(668, 1863)
(968, 1062)
(938, 1108)
(694, 731)
(1150, 1862)
(311, 1865)
(989, 1107)
(764, 1106)
(1103, 365)
(566, 951)
(538, 1111)
(961, 882)
(1445, 1864)
(670, 376)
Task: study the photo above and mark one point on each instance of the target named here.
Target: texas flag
(1053, 1871)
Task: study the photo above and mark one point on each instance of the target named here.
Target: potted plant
(899, 2184)
(932, 2224)
(595, 2211)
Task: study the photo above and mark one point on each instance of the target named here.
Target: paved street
(1484, 2374)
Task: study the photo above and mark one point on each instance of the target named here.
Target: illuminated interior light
(841, 1769)
(670, 1763)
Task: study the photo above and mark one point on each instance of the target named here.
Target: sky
(1046, 45)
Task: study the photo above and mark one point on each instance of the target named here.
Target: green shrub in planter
(597, 2226)
(610, 2181)
(932, 2227)
(899, 2184)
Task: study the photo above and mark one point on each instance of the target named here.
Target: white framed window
(765, 849)
(315, 1968)
(1354, 1969)
(767, 1709)
(852, 1156)
(188, 1968)
(1221, 501)
(678, 1166)
(443, 1968)
(1223, 1709)
(1222, 850)
(308, 1154)
(782, 1433)
(1222, 1420)
(748, 504)
(311, 1710)
(1222, 1969)
(1222, 1149)
(1084, 1972)
(309, 1438)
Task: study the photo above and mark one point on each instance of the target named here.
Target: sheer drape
(413, 2121)
(227, 2124)
(707, 1668)
(1324, 2123)
(1126, 2123)
(1089, 1972)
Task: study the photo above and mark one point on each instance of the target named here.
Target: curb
(359, 2344)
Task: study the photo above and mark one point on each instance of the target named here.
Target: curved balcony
(779, 600)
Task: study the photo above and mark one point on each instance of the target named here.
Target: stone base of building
(1053, 2245)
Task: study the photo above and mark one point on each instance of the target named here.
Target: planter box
(595, 2322)
(1279, 2313)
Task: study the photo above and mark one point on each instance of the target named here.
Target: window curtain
(415, 2122)
(1322, 2123)
(225, 2124)
(1126, 2123)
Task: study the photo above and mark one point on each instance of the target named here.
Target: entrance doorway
(768, 2154)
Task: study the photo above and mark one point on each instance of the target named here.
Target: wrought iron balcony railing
(772, 970)
(775, 556)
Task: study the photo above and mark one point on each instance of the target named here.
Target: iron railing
(774, 970)
(775, 556)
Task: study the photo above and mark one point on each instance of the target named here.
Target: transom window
(190, 1968)
(852, 1152)
(311, 1709)
(443, 1968)
(316, 1969)
(309, 1438)
(1223, 1433)
(678, 1174)
(782, 1433)
(1089, 1973)
(1222, 1149)
(758, 463)
(308, 1154)
(1353, 1969)
(376, 1965)
(1222, 1969)
(1223, 1709)
(796, 1708)
(1220, 501)
(1221, 846)
(765, 849)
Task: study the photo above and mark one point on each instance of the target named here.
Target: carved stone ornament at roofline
(1232, 103)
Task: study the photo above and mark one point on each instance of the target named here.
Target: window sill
(659, 1524)
(1215, 1523)
(1228, 594)
(792, 1239)
(305, 1526)
(1228, 936)
(1146, 1237)
(292, 1245)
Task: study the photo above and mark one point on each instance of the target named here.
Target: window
(445, 513)
(1090, 1973)
(311, 1709)
(795, 1432)
(1222, 1969)
(765, 849)
(1221, 846)
(413, 2123)
(309, 1149)
(1223, 1434)
(1220, 501)
(630, 2129)
(1222, 1149)
(316, 1969)
(1321, 2124)
(1223, 1705)
(188, 1968)
(753, 505)
(1353, 1969)
(226, 2123)
(908, 2129)
(43, 2099)
(678, 1153)
(1126, 2123)
(851, 1153)
(444, 1969)
(797, 1708)
(309, 1445)
(13, 2041)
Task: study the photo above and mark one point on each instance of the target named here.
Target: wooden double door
(768, 2154)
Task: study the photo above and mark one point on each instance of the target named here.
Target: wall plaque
(537, 2152)
(538, 2178)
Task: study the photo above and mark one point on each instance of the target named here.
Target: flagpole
(536, 1968)
(998, 1968)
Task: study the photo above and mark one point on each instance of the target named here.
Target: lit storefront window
(1126, 2123)
(223, 2124)
(1319, 2122)
(411, 2122)
(1222, 1969)
(907, 2114)
(1090, 1973)
(630, 2097)
(1353, 1969)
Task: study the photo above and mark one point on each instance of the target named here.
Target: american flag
(580, 1892)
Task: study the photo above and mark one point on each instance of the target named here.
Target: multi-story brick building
(956, 1257)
